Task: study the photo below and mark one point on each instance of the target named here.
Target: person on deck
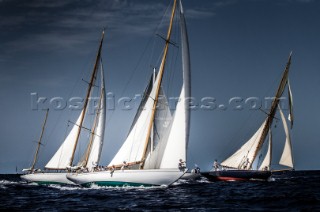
(197, 169)
(181, 165)
(246, 164)
(113, 167)
(215, 165)
(124, 165)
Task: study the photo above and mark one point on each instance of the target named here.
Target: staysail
(161, 129)
(91, 157)
(62, 158)
(132, 149)
(290, 117)
(286, 157)
(265, 165)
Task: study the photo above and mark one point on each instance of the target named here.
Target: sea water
(295, 191)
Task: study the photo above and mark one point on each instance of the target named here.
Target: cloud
(198, 13)
(50, 25)
(305, 1)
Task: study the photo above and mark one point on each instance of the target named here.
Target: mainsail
(247, 151)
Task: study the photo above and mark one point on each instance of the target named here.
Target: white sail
(62, 158)
(97, 143)
(290, 117)
(238, 159)
(267, 159)
(176, 144)
(161, 129)
(186, 70)
(133, 147)
(286, 157)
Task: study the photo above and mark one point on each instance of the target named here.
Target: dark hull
(231, 175)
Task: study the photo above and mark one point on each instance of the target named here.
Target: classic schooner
(62, 161)
(239, 166)
(157, 140)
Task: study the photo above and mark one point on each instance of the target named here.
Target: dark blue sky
(239, 48)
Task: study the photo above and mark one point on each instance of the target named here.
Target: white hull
(146, 177)
(191, 176)
(47, 178)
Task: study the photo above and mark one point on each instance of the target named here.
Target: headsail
(286, 157)
(186, 70)
(62, 158)
(92, 155)
(133, 147)
(290, 117)
(161, 129)
(265, 165)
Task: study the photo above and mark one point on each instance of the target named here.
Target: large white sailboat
(63, 160)
(240, 165)
(157, 140)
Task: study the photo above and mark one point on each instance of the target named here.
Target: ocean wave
(125, 187)
(7, 182)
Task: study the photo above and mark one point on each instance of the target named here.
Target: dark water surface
(297, 191)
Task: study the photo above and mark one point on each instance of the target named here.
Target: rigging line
(174, 57)
(172, 67)
(69, 95)
(165, 14)
(139, 61)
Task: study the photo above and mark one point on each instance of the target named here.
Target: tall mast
(39, 142)
(96, 119)
(273, 109)
(93, 77)
(161, 71)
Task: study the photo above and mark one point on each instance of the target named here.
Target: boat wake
(7, 182)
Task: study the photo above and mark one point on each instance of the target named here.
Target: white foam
(6, 182)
